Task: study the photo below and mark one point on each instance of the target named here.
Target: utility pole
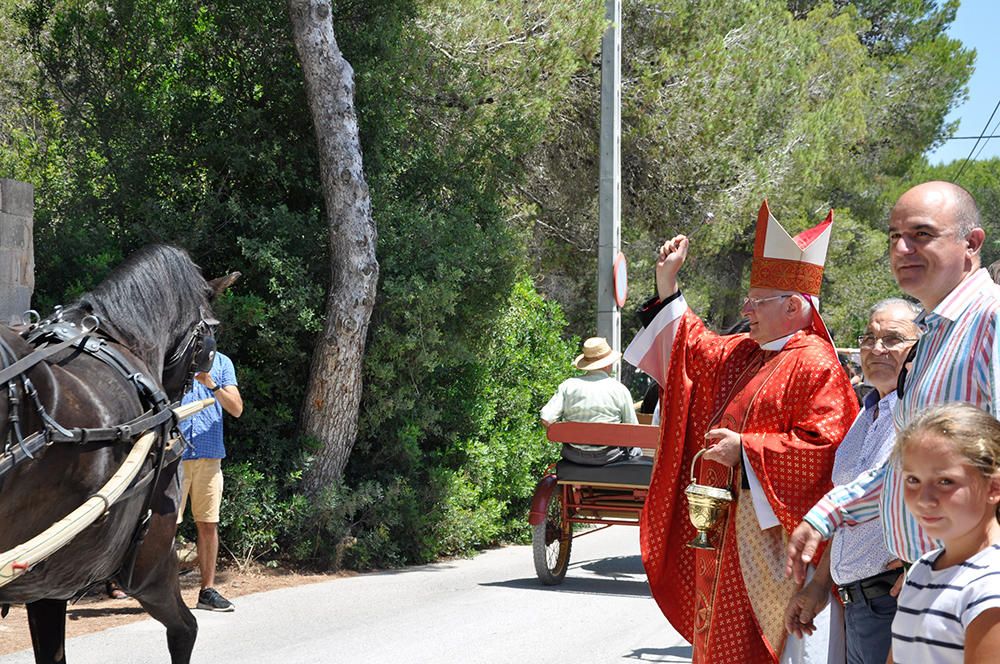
(610, 193)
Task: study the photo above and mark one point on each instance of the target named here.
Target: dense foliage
(139, 121)
(193, 130)
(728, 102)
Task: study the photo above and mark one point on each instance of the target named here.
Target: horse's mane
(149, 300)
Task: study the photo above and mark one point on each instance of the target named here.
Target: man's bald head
(935, 238)
(955, 205)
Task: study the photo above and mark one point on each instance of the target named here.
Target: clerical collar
(777, 344)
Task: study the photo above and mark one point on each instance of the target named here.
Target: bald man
(935, 238)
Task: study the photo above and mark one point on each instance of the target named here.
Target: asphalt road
(486, 610)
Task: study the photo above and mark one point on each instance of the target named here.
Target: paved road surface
(487, 610)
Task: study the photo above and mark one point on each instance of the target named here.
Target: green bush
(526, 361)
(254, 518)
(449, 499)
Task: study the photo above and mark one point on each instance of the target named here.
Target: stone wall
(17, 253)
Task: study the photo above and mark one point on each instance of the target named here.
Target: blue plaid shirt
(203, 430)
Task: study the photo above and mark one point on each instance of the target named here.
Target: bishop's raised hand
(671, 257)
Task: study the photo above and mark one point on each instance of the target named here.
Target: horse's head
(196, 352)
(158, 305)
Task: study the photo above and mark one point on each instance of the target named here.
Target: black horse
(154, 314)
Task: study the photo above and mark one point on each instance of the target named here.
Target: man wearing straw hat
(594, 397)
(769, 406)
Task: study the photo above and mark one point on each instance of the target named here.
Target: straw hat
(597, 354)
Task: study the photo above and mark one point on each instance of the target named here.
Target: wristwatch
(216, 388)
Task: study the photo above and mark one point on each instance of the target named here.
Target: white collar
(777, 344)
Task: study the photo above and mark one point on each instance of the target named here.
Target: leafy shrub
(254, 518)
(450, 499)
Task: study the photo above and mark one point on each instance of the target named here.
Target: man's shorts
(203, 482)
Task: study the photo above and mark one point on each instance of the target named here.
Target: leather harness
(55, 335)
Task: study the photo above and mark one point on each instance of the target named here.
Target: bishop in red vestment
(771, 405)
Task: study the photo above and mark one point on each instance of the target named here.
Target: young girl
(949, 609)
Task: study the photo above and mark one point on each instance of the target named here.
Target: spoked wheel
(551, 542)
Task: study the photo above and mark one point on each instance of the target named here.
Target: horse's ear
(220, 285)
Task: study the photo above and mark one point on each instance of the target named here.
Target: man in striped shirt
(935, 240)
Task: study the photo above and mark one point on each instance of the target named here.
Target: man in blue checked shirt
(202, 468)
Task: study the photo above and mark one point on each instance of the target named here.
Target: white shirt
(936, 607)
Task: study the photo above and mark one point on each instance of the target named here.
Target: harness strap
(26, 450)
(164, 455)
(14, 434)
(122, 432)
(97, 347)
(28, 361)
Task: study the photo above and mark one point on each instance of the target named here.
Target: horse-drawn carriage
(572, 494)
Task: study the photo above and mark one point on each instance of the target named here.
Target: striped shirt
(936, 607)
(956, 360)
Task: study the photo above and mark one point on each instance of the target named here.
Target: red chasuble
(792, 407)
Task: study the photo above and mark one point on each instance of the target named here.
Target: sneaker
(209, 599)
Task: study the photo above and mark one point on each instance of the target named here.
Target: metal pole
(610, 196)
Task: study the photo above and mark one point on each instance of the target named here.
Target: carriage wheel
(551, 542)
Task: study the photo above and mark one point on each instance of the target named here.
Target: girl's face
(950, 498)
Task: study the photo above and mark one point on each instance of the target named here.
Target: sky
(976, 27)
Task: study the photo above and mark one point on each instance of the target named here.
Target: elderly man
(857, 560)
(595, 396)
(770, 406)
(935, 240)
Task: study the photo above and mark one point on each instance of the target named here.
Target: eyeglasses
(890, 342)
(751, 303)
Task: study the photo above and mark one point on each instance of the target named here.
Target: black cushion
(634, 472)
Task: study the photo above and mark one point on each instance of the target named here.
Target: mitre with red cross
(791, 263)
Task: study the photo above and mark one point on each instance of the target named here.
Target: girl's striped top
(936, 607)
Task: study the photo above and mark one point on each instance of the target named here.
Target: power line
(976, 144)
(971, 138)
(987, 140)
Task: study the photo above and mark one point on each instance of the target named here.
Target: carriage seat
(632, 472)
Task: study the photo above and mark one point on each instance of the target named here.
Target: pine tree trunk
(330, 410)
